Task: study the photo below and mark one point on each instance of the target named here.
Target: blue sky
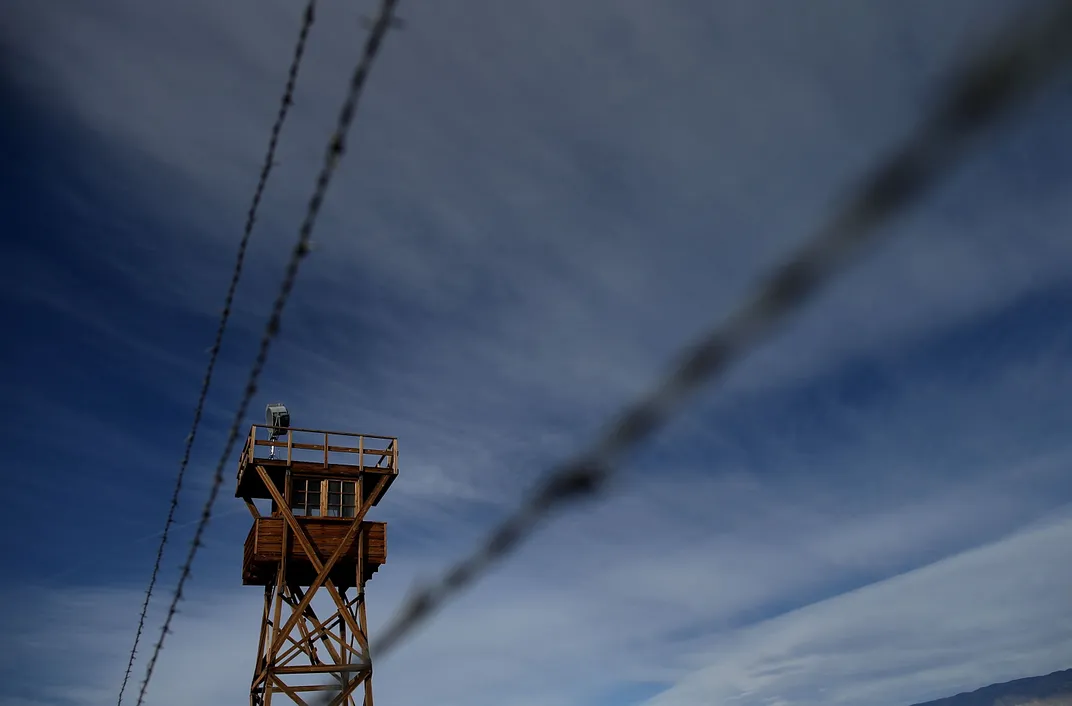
(540, 204)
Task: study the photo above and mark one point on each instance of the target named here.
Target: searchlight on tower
(277, 419)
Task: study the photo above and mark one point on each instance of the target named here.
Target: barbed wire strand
(225, 315)
(984, 91)
(335, 150)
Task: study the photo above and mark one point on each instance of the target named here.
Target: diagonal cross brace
(322, 568)
(344, 693)
(288, 690)
(322, 631)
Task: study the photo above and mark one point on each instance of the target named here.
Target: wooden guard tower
(315, 541)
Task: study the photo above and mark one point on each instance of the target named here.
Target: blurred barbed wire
(335, 150)
(1019, 60)
(287, 100)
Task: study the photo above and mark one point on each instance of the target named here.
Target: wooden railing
(318, 446)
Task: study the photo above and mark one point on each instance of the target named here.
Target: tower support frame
(295, 644)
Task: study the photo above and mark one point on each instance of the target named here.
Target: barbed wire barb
(986, 89)
(336, 148)
(225, 314)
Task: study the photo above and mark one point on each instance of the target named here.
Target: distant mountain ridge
(1049, 690)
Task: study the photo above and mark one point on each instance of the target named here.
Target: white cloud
(980, 617)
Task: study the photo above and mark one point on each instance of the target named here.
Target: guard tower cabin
(315, 541)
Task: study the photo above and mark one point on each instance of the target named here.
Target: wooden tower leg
(256, 696)
(363, 623)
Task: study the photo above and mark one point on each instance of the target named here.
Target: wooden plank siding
(251, 541)
(263, 550)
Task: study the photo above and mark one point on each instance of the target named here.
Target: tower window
(305, 497)
(314, 497)
(342, 495)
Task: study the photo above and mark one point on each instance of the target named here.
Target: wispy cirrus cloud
(979, 617)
